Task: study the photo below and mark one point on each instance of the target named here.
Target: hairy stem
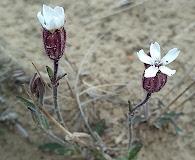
(55, 85)
(57, 139)
(146, 110)
(130, 126)
(148, 95)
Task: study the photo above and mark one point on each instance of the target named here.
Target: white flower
(51, 18)
(155, 61)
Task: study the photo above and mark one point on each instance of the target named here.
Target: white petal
(48, 13)
(51, 25)
(151, 72)
(41, 19)
(144, 57)
(155, 51)
(170, 56)
(167, 71)
(59, 22)
(59, 12)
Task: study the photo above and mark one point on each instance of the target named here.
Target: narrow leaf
(50, 146)
(133, 153)
(1, 132)
(137, 119)
(50, 73)
(44, 123)
(26, 102)
(171, 115)
(122, 158)
(100, 126)
(160, 122)
(99, 156)
(57, 148)
(130, 105)
(61, 76)
(40, 119)
(178, 130)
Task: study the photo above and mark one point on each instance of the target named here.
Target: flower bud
(37, 87)
(54, 42)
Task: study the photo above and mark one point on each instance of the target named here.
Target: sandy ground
(113, 61)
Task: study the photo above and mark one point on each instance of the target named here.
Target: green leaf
(133, 153)
(171, 115)
(57, 149)
(44, 124)
(40, 119)
(1, 132)
(130, 105)
(178, 130)
(161, 122)
(61, 76)
(100, 126)
(26, 102)
(122, 158)
(50, 73)
(37, 116)
(99, 156)
(137, 119)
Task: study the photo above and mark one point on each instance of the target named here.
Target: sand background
(113, 60)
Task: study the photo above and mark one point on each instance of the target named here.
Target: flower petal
(151, 71)
(170, 56)
(59, 22)
(59, 12)
(155, 51)
(167, 71)
(48, 13)
(51, 25)
(41, 19)
(144, 57)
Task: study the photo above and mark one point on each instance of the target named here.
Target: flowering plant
(54, 41)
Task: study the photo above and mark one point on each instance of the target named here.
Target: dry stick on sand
(187, 88)
(101, 86)
(83, 115)
(182, 79)
(173, 101)
(84, 59)
(98, 139)
(116, 12)
(76, 84)
(187, 99)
